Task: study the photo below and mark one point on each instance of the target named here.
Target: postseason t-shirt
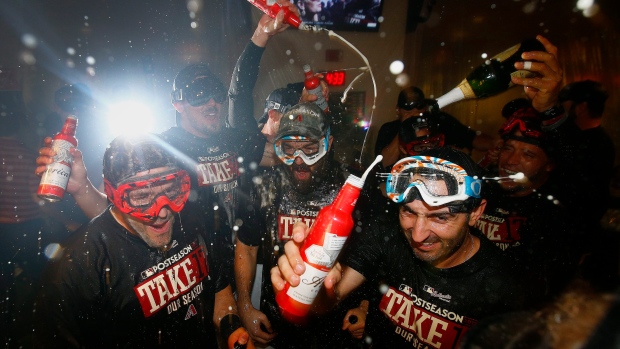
(424, 307)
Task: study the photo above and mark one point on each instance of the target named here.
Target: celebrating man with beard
(305, 181)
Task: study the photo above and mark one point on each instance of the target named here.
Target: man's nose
(419, 230)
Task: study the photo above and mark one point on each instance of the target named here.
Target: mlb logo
(406, 289)
(293, 212)
(428, 289)
(148, 273)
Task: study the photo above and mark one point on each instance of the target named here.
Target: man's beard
(306, 186)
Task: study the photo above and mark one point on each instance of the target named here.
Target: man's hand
(308, 97)
(268, 27)
(78, 178)
(544, 88)
(290, 265)
(254, 321)
(356, 328)
(240, 339)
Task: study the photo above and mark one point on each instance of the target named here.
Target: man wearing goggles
(431, 257)
(524, 217)
(302, 142)
(412, 104)
(295, 190)
(139, 275)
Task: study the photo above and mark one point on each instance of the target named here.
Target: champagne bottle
(327, 235)
(493, 76)
(313, 86)
(56, 176)
(271, 8)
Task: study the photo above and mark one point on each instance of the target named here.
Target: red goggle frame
(521, 123)
(144, 198)
(428, 142)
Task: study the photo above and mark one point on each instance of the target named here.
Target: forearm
(245, 74)
(90, 200)
(245, 271)
(224, 304)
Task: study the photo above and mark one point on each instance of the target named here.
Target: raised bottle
(320, 250)
(271, 8)
(493, 76)
(56, 176)
(313, 86)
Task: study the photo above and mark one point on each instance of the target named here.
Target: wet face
(531, 160)
(302, 174)
(437, 236)
(156, 233)
(203, 120)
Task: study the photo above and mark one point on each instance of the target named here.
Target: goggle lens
(145, 198)
(290, 147)
(438, 181)
(429, 142)
(201, 91)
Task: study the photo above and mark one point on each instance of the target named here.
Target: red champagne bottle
(271, 8)
(320, 250)
(56, 176)
(313, 86)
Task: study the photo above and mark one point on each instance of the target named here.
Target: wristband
(229, 324)
(553, 117)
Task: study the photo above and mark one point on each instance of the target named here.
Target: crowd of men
(192, 222)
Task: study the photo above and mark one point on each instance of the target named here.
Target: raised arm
(90, 200)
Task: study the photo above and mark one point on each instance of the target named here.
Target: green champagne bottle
(493, 76)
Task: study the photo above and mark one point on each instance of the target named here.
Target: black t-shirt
(280, 207)
(536, 232)
(110, 289)
(220, 190)
(422, 306)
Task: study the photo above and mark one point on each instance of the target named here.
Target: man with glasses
(305, 181)
(437, 275)
(138, 275)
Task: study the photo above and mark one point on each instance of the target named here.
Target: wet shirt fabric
(424, 306)
(110, 289)
(281, 206)
(536, 232)
(215, 166)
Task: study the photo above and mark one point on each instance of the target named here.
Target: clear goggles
(200, 92)
(144, 198)
(288, 148)
(423, 143)
(439, 182)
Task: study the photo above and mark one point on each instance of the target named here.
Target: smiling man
(523, 217)
(136, 275)
(438, 276)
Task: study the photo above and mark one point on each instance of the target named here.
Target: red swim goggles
(526, 121)
(424, 143)
(144, 197)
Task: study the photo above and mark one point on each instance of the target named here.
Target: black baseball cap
(305, 120)
(281, 100)
(411, 98)
(127, 155)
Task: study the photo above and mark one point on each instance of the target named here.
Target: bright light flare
(584, 4)
(130, 117)
(397, 67)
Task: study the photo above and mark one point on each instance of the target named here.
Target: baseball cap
(411, 98)
(128, 155)
(304, 120)
(280, 99)
(196, 83)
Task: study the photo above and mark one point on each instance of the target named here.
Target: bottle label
(325, 256)
(309, 286)
(321, 102)
(56, 174)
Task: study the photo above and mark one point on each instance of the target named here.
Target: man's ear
(477, 212)
(178, 106)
